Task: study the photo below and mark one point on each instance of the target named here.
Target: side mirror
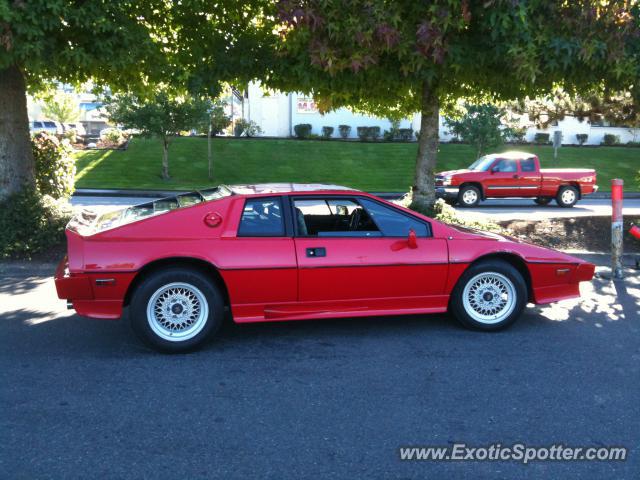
(412, 239)
(494, 170)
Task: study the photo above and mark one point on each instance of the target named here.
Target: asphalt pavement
(507, 209)
(83, 398)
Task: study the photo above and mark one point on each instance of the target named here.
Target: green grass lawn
(381, 167)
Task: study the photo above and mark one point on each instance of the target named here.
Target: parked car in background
(295, 252)
(78, 127)
(49, 126)
(514, 174)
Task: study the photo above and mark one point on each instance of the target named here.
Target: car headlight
(446, 180)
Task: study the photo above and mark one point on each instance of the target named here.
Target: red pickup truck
(514, 174)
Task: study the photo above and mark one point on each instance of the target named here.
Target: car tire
(543, 200)
(175, 310)
(567, 196)
(469, 196)
(489, 296)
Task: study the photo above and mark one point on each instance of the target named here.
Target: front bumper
(448, 193)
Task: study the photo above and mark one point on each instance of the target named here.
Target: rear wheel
(489, 296)
(469, 196)
(543, 200)
(567, 196)
(176, 309)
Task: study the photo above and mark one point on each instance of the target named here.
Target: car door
(354, 255)
(529, 177)
(503, 179)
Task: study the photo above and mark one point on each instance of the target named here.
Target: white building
(277, 113)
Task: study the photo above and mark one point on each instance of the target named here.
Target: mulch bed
(581, 233)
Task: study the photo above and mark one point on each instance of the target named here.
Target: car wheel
(567, 196)
(543, 200)
(176, 309)
(469, 196)
(489, 296)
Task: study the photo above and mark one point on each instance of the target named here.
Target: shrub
(374, 133)
(327, 132)
(246, 127)
(70, 135)
(345, 130)
(406, 134)
(611, 139)
(55, 167)
(31, 223)
(112, 136)
(582, 138)
(633, 144)
(302, 130)
(518, 135)
(541, 138)
(363, 133)
(219, 119)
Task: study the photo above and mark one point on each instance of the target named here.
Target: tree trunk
(16, 157)
(165, 159)
(423, 191)
(209, 157)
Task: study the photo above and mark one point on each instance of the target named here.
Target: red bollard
(616, 227)
(635, 231)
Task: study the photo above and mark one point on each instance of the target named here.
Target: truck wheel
(469, 196)
(176, 309)
(567, 196)
(489, 296)
(543, 200)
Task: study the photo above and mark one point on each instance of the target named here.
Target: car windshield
(482, 164)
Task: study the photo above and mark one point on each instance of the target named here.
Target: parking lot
(82, 398)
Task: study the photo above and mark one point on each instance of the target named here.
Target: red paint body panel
(272, 278)
(525, 184)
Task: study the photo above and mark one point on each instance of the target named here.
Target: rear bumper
(94, 295)
(448, 193)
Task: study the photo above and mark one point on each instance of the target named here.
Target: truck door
(503, 179)
(530, 178)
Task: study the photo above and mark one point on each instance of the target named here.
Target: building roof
(261, 188)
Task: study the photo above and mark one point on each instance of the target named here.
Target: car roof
(283, 188)
(511, 155)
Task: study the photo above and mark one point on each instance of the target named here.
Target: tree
(162, 115)
(480, 125)
(126, 45)
(214, 123)
(397, 58)
(61, 107)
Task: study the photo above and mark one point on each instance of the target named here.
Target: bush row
(374, 133)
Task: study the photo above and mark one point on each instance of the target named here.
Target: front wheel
(489, 296)
(567, 196)
(176, 309)
(469, 196)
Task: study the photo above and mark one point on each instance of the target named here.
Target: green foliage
(327, 132)
(368, 133)
(582, 138)
(611, 139)
(518, 135)
(406, 134)
(220, 121)
(31, 223)
(55, 167)
(302, 130)
(61, 107)
(481, 126)
(246, 127)
(345, 131)
(112, 136)
(541, 138)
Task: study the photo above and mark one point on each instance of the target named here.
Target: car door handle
(317, 252)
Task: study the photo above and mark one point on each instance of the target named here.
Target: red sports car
(296, 252)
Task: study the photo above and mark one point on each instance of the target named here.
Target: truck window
(528, 165)
(505, 165)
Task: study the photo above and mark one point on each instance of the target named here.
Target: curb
(108, 192)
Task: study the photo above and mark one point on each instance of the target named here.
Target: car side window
(528, 165)
(262, 217)
(394, 223)
(505, 165)
(333, 217)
